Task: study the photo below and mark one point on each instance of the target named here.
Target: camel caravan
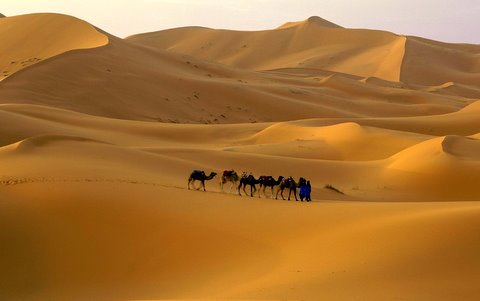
(247, 179)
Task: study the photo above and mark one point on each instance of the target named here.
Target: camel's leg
(188, 185)
(238, 188)
(280, 190)
(221, 184)
(203, 185)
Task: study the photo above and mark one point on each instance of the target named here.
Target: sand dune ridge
(97, 142)
(29, 39)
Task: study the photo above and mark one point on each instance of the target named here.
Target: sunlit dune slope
(89, 240)
(319, 44)
(97, 142)
(344, 142)
(363, 161)
(452, 163)
(313, 43)
(128, 181)
(130, 81)
(317, 21)
(29, 39)
(465, 122)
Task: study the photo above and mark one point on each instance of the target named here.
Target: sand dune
(434, 63)
(317, 43)
(313, 21)
(452, 163)
(451, 88)
(313, 43)
(344, 141)
(132, 81)
(97, 141)
(29, 39)
(146, 248)
(341, 155)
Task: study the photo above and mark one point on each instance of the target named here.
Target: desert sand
(98, 136)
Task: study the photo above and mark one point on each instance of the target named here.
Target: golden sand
(98, 138)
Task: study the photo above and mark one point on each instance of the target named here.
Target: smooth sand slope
(319, 44)
(109, 217)
(127, 80)
(313, 43)
(97, 143)
(29, 39)
(430, 62)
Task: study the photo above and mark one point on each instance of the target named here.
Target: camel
(199, 175)
(268, 181)
(291, 185)
(229, 176)
(248, 179)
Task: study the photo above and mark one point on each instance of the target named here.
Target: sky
(456, 21)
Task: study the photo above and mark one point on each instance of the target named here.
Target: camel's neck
(210, 176)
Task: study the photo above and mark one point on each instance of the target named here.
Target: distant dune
(130, 80)
(98, 137)
(316, 43)
(313, 43)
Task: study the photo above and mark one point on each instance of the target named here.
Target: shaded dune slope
(430, 62)
(362, 160)
(96, 147)
(127, 80)
(316, 43)
(308, 44)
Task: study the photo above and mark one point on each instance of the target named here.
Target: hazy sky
(444, 20)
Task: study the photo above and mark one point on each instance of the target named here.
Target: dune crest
(98, 141)
(347, 141)
(314, 20)
(42, 36)
(42, 141)
(462, 147)
(449, 156)
(471, 108)
(308, 44)
(320, 44)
